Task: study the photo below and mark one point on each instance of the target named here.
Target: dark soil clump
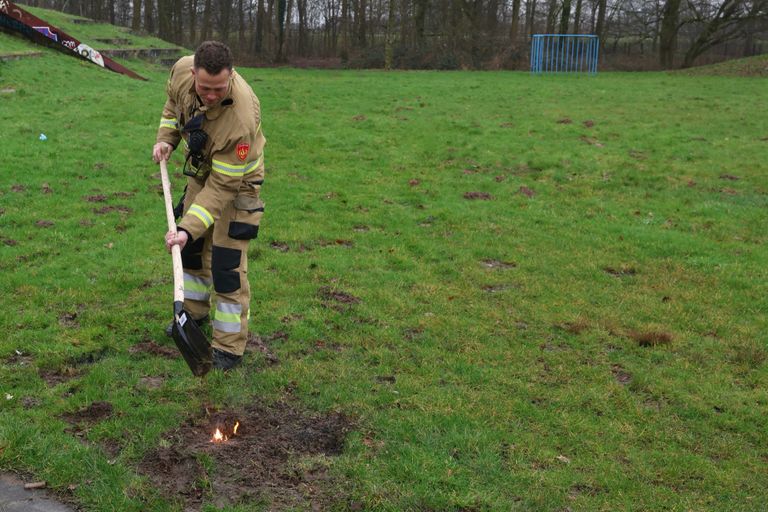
(150, 347)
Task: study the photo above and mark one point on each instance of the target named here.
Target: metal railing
(564, 53)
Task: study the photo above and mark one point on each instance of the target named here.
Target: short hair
(213, 56)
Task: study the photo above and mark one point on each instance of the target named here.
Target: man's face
(211, 88)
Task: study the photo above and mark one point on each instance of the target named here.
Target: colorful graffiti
(19, 20)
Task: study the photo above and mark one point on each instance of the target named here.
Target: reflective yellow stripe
(227, 318)
(228, 169)
(254, 165)
(169, 123)
(236, 169)
(201, 213)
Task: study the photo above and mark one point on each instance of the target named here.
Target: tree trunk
(389, 36)
(225, 20)
(258, 43)
(192, 6)
(514, 28)
(205, 30)
(668, 35)
(552, 11)
(419, 17)
(149, 14)
(577, 18)
(344, 30)
(565, 17)
(600, 23)
(240, 25)
(530, 13)
(301, 6)
(360, 22)
(136, 20)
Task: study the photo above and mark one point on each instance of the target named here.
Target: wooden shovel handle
(178, 272)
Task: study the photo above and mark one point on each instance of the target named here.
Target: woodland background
(444, 34)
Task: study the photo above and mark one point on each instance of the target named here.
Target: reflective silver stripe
(227, 317)
(196, 288)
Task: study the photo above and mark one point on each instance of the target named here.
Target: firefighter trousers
(216, 270)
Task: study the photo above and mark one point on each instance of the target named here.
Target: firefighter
(214, 113)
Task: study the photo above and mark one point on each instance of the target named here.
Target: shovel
(190, 340)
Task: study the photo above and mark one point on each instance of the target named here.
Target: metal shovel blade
(191, 341)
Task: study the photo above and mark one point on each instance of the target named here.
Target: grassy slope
(90, 32)
(519, 387)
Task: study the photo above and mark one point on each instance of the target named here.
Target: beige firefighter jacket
(233, 163)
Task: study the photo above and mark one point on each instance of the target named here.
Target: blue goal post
(564, 53)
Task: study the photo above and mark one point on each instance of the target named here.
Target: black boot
(225, 360)
(203, 322)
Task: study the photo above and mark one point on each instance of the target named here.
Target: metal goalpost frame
(564, 53)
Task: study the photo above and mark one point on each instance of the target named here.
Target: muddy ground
(257, 465)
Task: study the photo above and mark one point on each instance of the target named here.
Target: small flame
(234, 431)
(218, 437)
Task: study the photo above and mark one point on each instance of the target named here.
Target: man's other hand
(161, 151)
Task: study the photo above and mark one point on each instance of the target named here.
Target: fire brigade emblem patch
(242, 150)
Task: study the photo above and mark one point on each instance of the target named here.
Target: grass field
(492, 291)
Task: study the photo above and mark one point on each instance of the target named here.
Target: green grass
(618, 362)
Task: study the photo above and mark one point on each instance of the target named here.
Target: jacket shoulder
(248, 111)
(180, 75)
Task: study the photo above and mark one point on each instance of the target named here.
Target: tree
(670, 24)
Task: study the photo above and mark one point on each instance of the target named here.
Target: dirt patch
(44, 223)
(256, 343)
(55, 376)
(70, 369)
(150, 383)
(148, 346)
(564, 120)
(280, 246)
(19, 358)
(256, 464)
(575, 327)
(489, 263)
(46, 189)
(69, 319)
(592, 141)
(338, 241)
(108, 209)
(620, 374)
(84, 418)
(99, 198)
(527, 192)
(412, 333)
(496, 288)
(621, 271)
(650, 338)
(483, 196)
(336, 299)
(9, 242)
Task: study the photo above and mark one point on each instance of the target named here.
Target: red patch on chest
(242, 150)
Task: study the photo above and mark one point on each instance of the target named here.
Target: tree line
(443, 34)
